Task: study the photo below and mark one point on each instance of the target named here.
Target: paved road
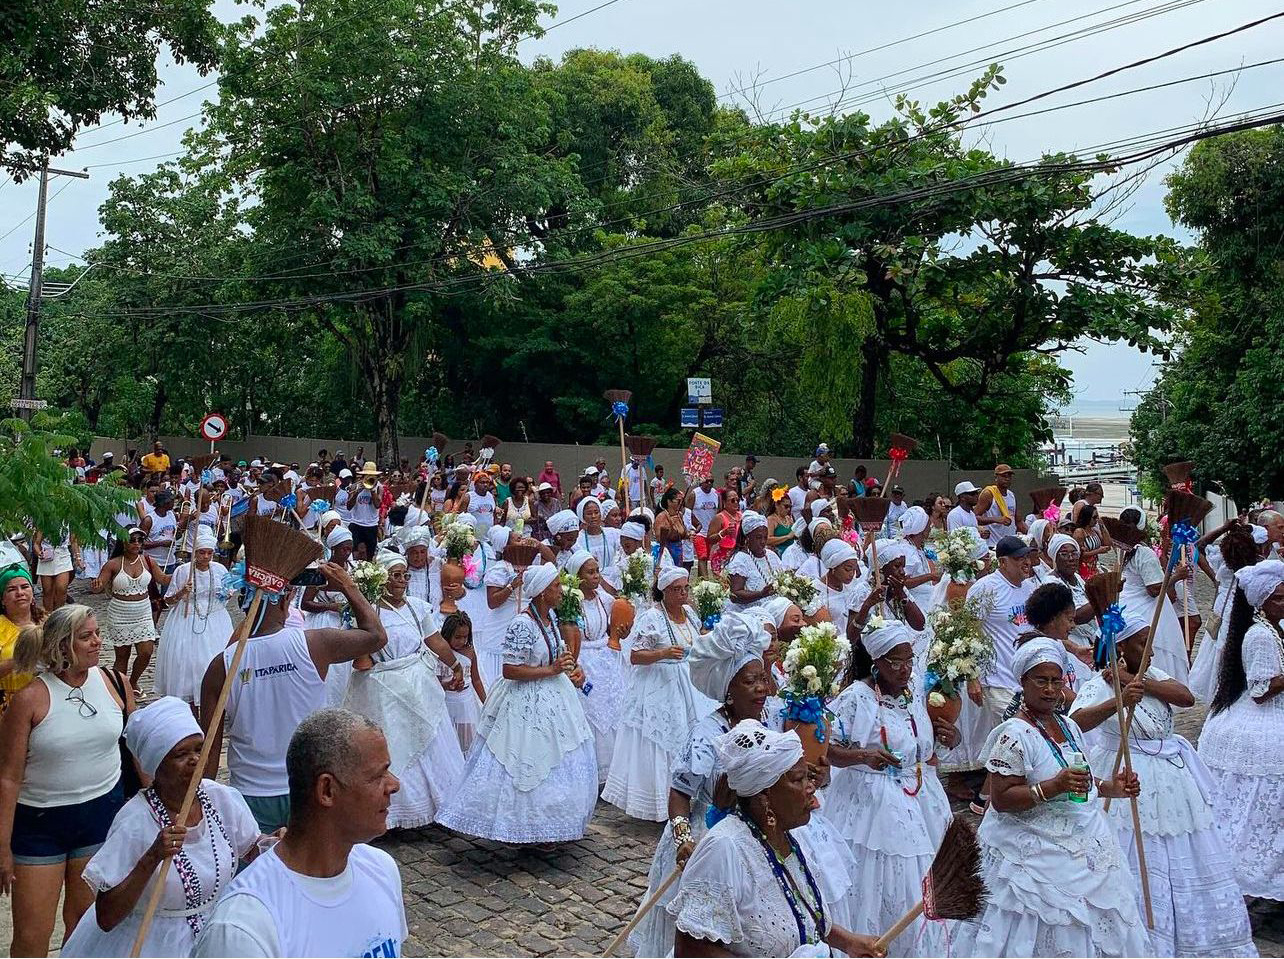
(468, 896)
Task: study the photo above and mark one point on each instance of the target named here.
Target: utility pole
(27, 402)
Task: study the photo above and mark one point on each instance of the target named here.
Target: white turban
(816, 524)
(879, 642)
(913, 521)
(889, 550)
(716, 657)
(390, 560)
(537, 579)
(751, 520)
(800, 526)
(815, 507)
(754, 757)
(608, 507)
(1132, 626)
(1035, 653)
(577, 561)
(417, 536)
(337, 536)
(329, 516)
(669, 575)
(836, 552)
(585, 503)
(498, 536)
(1036, 532)
(154, 730)
(1260, 580)
(563, 521)
(633, 531)
(205, 538)
(1059, 542)
(1260, 535)
(466, 519)
(774, 609)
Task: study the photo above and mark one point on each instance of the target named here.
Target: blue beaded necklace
(793, 895)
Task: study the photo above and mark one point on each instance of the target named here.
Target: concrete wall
(919, 477)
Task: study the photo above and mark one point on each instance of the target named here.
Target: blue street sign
(690, 418)
(712, 417)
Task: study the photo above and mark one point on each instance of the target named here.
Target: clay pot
(622, 616)
(949, 711)
(452, 573)
(813, 749)
(571, 638)
(955, 591)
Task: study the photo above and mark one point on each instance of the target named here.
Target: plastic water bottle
(1077, 762)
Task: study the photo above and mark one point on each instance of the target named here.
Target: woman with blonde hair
(60, 773)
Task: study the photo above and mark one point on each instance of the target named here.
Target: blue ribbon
(806, 709)
(655, 553)
(319, 506)
(713, 815)
(432, 455)
(241, 506)
(931, 680)
(207, 477)
(1112, 621)
(930, 553)
(712, 620)
(1183, 534)
(619, 409)
(289, 500)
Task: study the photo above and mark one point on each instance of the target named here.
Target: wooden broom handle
(643, 910)
(158, 886)
(901, 925)
(1136, 815)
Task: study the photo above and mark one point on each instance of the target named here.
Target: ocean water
(1114, 409)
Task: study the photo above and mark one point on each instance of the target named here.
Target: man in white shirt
(632, 477)
(798, 492)
(321, 890)
(965, 496)
(1002, 594)
(895, 510)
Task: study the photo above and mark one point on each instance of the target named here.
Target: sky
(734, 42)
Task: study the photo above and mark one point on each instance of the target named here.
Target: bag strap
(118, 684)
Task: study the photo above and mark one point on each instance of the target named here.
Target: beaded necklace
(685, 641)
(1052, 746)
(194, 896)
(906, 700)
(554, 647)
(201, 618)
(793, 895)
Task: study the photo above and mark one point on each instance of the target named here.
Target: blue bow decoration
(432, 455)
(931, 680)
(207, 477)
(1112, 621)
(930, 553)
(713, 815)
(806, 709)
(319, 506)
(1183, 534)
(289, 500)
(619, 409)
(655, 553)
(241, 506)
(712, 620)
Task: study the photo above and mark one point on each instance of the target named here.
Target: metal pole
(27, 390)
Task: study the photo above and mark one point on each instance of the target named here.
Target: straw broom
(1103, 592)
(870, 512)
(274, 554)
(952, 888)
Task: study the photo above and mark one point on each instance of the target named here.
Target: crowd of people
(531, 648)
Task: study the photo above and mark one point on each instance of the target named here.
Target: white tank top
(124, 584)
(705, 507)
(483, 510)
(360, 912)
(162, 528)
(276, 687)
(998, 530)
(72, 754)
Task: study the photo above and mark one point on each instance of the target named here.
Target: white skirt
(1207, 667)
(974, 726)
(57, 564)
(604, 668)
(1248, 814)
(129, 622)
(187, 644)
(465, 709)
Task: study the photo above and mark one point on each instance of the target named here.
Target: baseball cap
(1013, 546)
(898, 488)
(544, 486)
(1003, 468)
(345, 474)
(967, 486)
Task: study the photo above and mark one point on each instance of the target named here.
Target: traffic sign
(699, 389)
(214, 427)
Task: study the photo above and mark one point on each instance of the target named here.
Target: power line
(562, 23)
(27, 219)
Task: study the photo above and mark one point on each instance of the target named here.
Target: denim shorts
(49, 835)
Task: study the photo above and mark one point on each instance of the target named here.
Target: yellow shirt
(8, 640)
(156, 464)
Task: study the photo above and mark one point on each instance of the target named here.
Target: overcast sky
(733, 41)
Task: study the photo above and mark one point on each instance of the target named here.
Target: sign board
(21, 404)
(699, 389)
(213, 427)
(713, 417)
(690, 418)
(698, 462)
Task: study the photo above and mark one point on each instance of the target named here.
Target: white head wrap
(1037, 652)
(1260, 535)
(716, 656)
(669, 575)
(338, 535)
(466, 519)
(815, 507)
(417, 536)
(577, 561)
(537, 579)
(889, 550)
(633, 531)
(913, 521)
(608, 507)
(154, 730)
(879, 642)
(816, 524)
(390, 560)
(836, 552)
(800, 525)
(563, 521)
(1059, 542)
(205, 538)
(585, 503)
(1260, 580)
(498, 536)
(1132, 626)
(754, 757)
(329, 516)
(773, 610)
(751, 520)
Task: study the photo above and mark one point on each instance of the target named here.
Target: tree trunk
(158, 407)
(385, 398)
(867, 405)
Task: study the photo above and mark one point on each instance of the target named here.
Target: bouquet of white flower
(799, 590)
(960, 650)
(710, 598)
(814, 661)
(571, 608)
(370, 579)
(954, 554)
(459, 540)
(635, 580)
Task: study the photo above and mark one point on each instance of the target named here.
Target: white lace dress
(489, 627)
(893, 835)
(659, 710)
(1058, 883)
(605, 671)
(696, 777)
(403, 695)
(1142, 570)
(729, 894)
(1198, 908)
(462, 705)
(195, 631)
(532, 772)
(1207, 667)
(1241, 747)
(758, 571)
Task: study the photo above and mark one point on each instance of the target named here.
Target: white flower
(934, 698)
(813, 685)
(835, 689)
(809, 672)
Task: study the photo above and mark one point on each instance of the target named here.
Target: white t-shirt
(797, 499)
(365, 507)
(704, 507)
(960, 516)
(1003, 623)
(271, 910)
(633, 476)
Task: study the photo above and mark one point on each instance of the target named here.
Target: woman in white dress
(841, 590)
(603, 666)
(1198, 908)
(753, 566)
(920, 575)
(399, 690)
(1241, 740)
(660, 706)
(503, 590)
(1057, 881)
(220, 830)
(750, 887)
(886, 800)
(598, 540)
(198, 625)
(1239, 547)
(1082, 638)
(463, 705)
(1142, 585)
(532, 772)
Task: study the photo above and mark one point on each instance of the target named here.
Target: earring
(771, 816)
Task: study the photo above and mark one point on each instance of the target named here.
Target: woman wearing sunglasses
(60, 773)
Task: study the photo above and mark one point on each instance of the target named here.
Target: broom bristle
(618, 396)
(521, 554)
(1043, 498)
(1186, 507)
(900, 441)
(491, 440)
(275, 553)
(957, 889)
(1179, 473)
(870, 510)
(1123, 533)
(640, 445)
(439, 441)
(202, 461)
(1103, 590)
